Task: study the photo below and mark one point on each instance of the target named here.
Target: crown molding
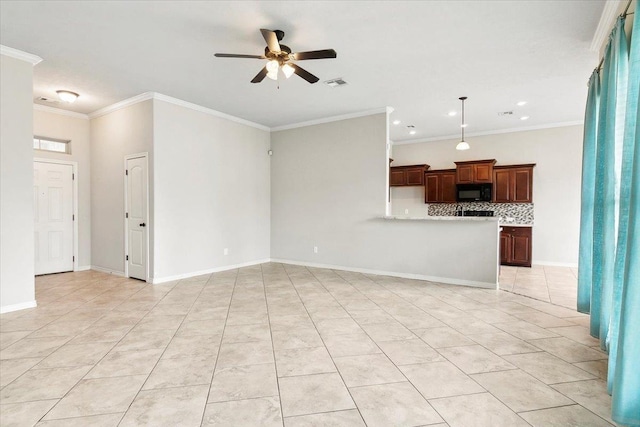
(160, 97)
(60, 111)
(606, 23)
(122, 104)
(196, 107)
(384, 110)
(18, 54)
(490, 132)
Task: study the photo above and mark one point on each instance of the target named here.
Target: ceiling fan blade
(233, 55)
(304, 74)
(272, 40)
(260, 76)
(314, 54)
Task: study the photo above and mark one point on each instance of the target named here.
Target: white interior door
(136, 176)
(53, 216)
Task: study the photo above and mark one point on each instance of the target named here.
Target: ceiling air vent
(505, 113)
(335, 82)
(45, 99)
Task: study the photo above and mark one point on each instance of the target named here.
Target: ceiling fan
(280, 58)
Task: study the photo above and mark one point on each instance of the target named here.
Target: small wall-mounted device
(270, 152)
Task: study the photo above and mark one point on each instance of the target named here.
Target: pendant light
(462, 145)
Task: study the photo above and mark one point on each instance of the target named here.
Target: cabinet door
(483, 172)
(448, 187)
(505, 247)
(432, 188)
(521, 249)
(502, 186)
(464, 174)
(521, 181)
(415, 176)
(397, 176)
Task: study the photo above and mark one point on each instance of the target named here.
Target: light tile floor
(558, 285)
(275, 345)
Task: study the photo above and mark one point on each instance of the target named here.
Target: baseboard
(107, 270)
(445, 280)
(83, 268)
(157, 280)
(555, 264)
(16, 307)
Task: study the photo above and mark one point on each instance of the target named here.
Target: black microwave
(473, 192)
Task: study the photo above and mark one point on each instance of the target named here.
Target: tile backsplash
(522, 213)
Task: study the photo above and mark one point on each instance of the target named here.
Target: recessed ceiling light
(521, 103)
(396, 122)
(524, 118)
(452, 113)
(412, 132)
(67, 95)
(464, 125)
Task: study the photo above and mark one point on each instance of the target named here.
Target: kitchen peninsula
(439, 248)
(483, 189)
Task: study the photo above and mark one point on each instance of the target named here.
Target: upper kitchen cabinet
(475, 172)
(402, 176)
(440, 186)
(513, 184)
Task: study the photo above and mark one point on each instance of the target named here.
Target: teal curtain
(624, 356)
(608, 144)
(609, 258)
(588, 183)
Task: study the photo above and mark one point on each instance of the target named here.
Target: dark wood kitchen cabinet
(475, 172)
(402, 176)
(440, 186)
(513, 184)
(515, 246)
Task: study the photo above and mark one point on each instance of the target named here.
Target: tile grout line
(215, 364)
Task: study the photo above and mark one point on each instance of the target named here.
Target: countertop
(454, 218)
(442, 218)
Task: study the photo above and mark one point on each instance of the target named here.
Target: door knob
(143, 225)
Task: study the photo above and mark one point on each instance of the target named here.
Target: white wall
(17, 289)
(61, 126)
(557, 153)
(212, 191)
(328, 189)
(113, 136)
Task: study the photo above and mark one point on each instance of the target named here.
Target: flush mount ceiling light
(462, 145)
(67, 95)
(521, 103)
(396, 122)
(452, 113)
(524, 118)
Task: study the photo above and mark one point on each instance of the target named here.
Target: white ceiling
(415, 56)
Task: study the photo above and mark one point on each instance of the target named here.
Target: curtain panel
(609, 258)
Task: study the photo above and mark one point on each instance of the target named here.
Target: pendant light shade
(462, 145)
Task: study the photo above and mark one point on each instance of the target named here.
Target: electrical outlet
(226, 251)
(406, 211)
(315, 249)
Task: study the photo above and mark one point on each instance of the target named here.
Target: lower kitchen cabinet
(515, 246)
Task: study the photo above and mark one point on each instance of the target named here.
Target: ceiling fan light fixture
(273, 75)
(288, 70)
(67, 95)
(272, 66)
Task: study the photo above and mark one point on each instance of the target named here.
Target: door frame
(74, 201)
(128, 157)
